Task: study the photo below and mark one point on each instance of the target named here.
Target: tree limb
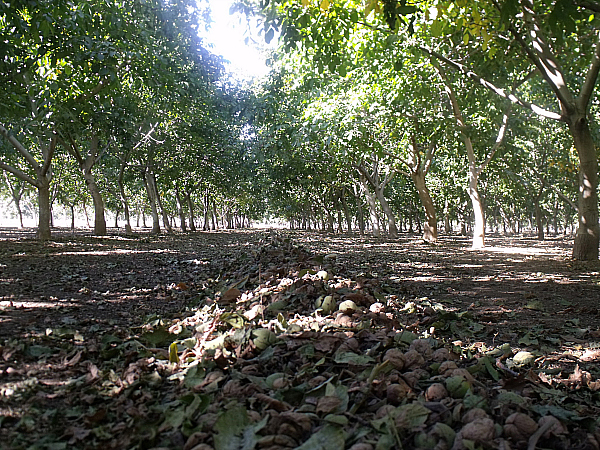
(48, 157)
(19, 147)
(501, 92)
(590, 81)
(19, 174)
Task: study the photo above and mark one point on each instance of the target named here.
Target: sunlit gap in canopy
(237, 39)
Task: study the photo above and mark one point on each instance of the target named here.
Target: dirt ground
(82, 291)
(516, 281)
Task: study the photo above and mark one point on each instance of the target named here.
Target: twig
(535, 437)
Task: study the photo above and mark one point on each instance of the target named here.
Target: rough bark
(190, 205)
(180, 209)
(430, 231)
(86, 164)
(586, 243)
(124, 200)
(41, 182)
(43, 232)
(372, 206)
(152, 195)
(539, 217)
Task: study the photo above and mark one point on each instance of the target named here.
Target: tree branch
(542, 57)
(19, 147)
(498, 91)
(590, 80)
(429, 157)
(48, 157)
(19, 174)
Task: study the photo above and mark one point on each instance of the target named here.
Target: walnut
(195, 440)
(361, 446)
(441, 355)
(395, 357)
(383, 411)
(202, 447)
(277, 440)
(480, 430)
(556, 429)
(474, 414)
(436, 392)
(421, 346)
(396, 392)
(446, 368)
(413, 359)
(411, 378)
(519, 427)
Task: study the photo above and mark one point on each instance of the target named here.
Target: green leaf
(233, 319)
(352, 358)
(235, 432)
(404, 10)
(194, 376)
(411, 416)
(491, 369)
(327, 438)
(159, 337)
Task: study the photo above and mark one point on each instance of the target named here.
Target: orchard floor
(62, 303)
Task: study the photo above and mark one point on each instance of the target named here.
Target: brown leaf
(231, 295)
(328, 404)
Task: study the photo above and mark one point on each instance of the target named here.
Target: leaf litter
(282, 340)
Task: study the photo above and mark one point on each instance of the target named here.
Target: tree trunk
(430, 226)
(372, 206)
(585, 247)
(190, 205)
(391, 219)
(124, 200)
(43, 233)
(165, 216)
(206, 226)
(99, 220)
(180, 209)
(538, 213)
(479, 226)
(151, 191)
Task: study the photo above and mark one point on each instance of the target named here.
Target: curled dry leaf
(195, 439)
(328, 404)
(441, 355)
(519, 427)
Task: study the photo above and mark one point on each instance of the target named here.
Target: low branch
(19, 174)
(19, 147)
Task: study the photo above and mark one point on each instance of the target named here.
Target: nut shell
(519, 427)
(396, 358)
(436, 392)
